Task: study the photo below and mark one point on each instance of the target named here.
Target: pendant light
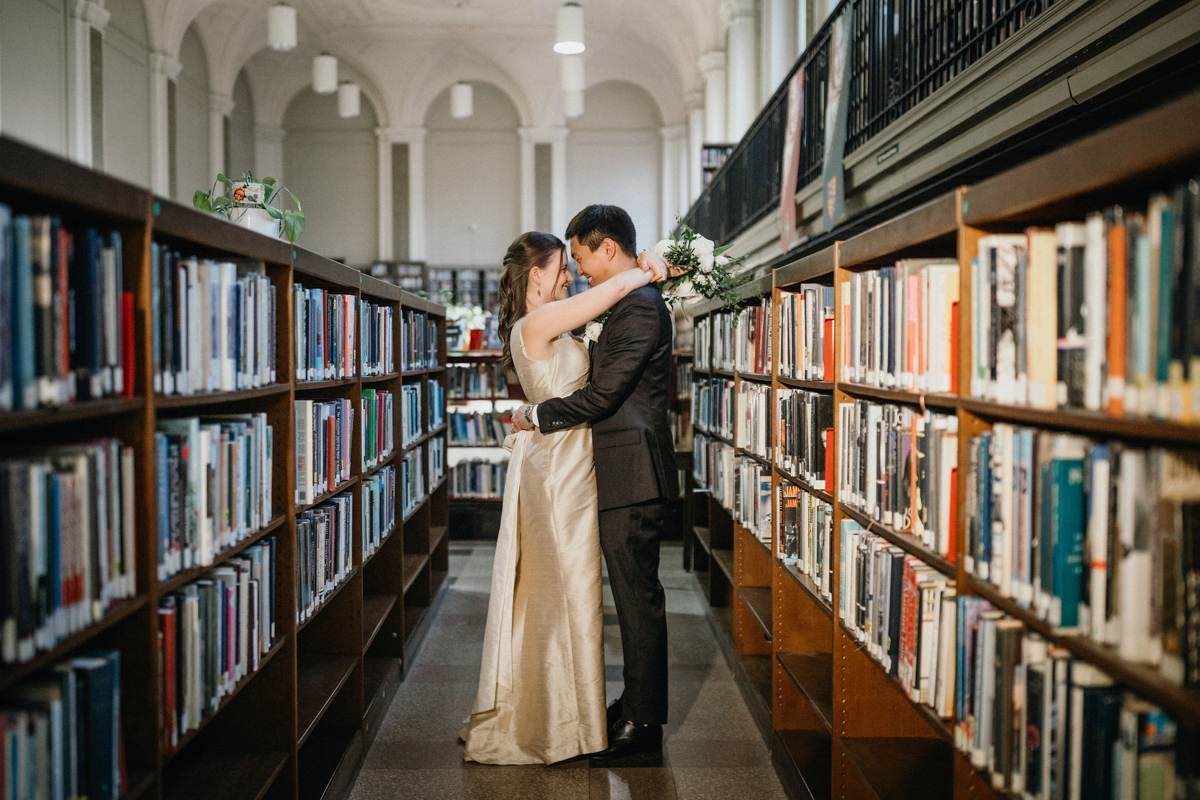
(572, 74)
(325, 74)
(573, 104)
(462, 100)
(281, 27)
(349, 100)
(568, 27)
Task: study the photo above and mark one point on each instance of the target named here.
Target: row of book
(324, 333)
(899, 466)
(752, 338)
(324, 431)
(214, 324)
(805, 430)
(721, 472)
(1099, 314)
(378, 426)
(703, 458)
(68, 552)
(805, 542)
(61, 734)
(751, 505)
(214, 486)
(723, 355)
(1096, 538)
(378, 339)
(411, 418)
(324, 537)
(806, 333)
(212, 633)
(712, 406)
(437, 404)
(1046, 725)
(478, 479)
(477, 429)
(900, 326)
(754, 418)
(418, 340)
(477, 380)
(437, 459)
(683, 380)
(412, 480)
(66, 323)
(902, 611)
(379, 509)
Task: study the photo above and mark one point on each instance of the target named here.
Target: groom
(625, 400)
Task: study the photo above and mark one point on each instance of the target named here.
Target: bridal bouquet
(699, 268)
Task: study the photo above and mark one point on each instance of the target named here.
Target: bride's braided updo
(529, 250)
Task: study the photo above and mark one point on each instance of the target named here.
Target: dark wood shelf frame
(758, 600)
(813, 675)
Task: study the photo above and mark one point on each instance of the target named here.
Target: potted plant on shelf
(251, 204)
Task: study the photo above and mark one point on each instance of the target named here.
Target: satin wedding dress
(541, 684)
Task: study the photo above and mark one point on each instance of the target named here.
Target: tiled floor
(713, 749)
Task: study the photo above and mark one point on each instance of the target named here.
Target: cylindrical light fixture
(325, 74)
(281, 27)
(568, 29)
(462, 100)
(573, 104)
(349, 100)
(572, 74)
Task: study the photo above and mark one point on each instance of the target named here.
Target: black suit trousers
(630, 538)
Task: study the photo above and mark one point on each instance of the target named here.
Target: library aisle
(712, 748)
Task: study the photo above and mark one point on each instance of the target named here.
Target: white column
(528, 179)
(742, 89)
(163, 68)
(84, 15)
(268, 152)
(558, 181)
(386, 232)
(415, 139)
(673, 139)
(683, 178)
(220, 106)
(778, 31)
(712, 66)
(695, 142)
(800, 32)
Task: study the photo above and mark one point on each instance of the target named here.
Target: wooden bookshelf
(839, 725)
(300, 724)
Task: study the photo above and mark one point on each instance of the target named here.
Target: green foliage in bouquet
(223, 205)
(700, 268)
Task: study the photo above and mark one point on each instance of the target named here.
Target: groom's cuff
(533, 416)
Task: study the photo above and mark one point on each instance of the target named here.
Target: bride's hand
(651, 262)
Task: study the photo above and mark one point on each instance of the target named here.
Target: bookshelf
(299, 724)
(839, 723)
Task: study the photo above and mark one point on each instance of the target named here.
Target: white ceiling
(405, 52)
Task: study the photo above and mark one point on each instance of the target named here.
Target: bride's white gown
(541, 686)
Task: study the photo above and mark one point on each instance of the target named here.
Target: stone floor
(713, 750)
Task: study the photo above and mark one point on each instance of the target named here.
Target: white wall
(127, 93)
(241, 128)
(613, 156)
(191, 121)
(332, 165)
(472, 175)
(33, 66)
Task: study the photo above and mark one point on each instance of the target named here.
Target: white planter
(258, 220)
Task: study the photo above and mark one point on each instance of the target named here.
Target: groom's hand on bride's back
(520, 420)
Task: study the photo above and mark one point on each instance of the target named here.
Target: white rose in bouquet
(700, 268)
(704, 253)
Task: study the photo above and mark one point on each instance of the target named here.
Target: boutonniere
(592, 332)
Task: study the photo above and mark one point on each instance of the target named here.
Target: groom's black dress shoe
(627, 739)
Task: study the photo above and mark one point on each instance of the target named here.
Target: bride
(541, 685)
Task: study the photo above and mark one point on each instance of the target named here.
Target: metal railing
(902, 51)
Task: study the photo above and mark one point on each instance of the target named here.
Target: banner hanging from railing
(791, 161)
(837, 106)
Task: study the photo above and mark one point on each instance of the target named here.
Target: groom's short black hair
(596, 223)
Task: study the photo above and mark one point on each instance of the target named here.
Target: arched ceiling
(405, 52)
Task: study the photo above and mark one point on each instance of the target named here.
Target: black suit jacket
(626, 402)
